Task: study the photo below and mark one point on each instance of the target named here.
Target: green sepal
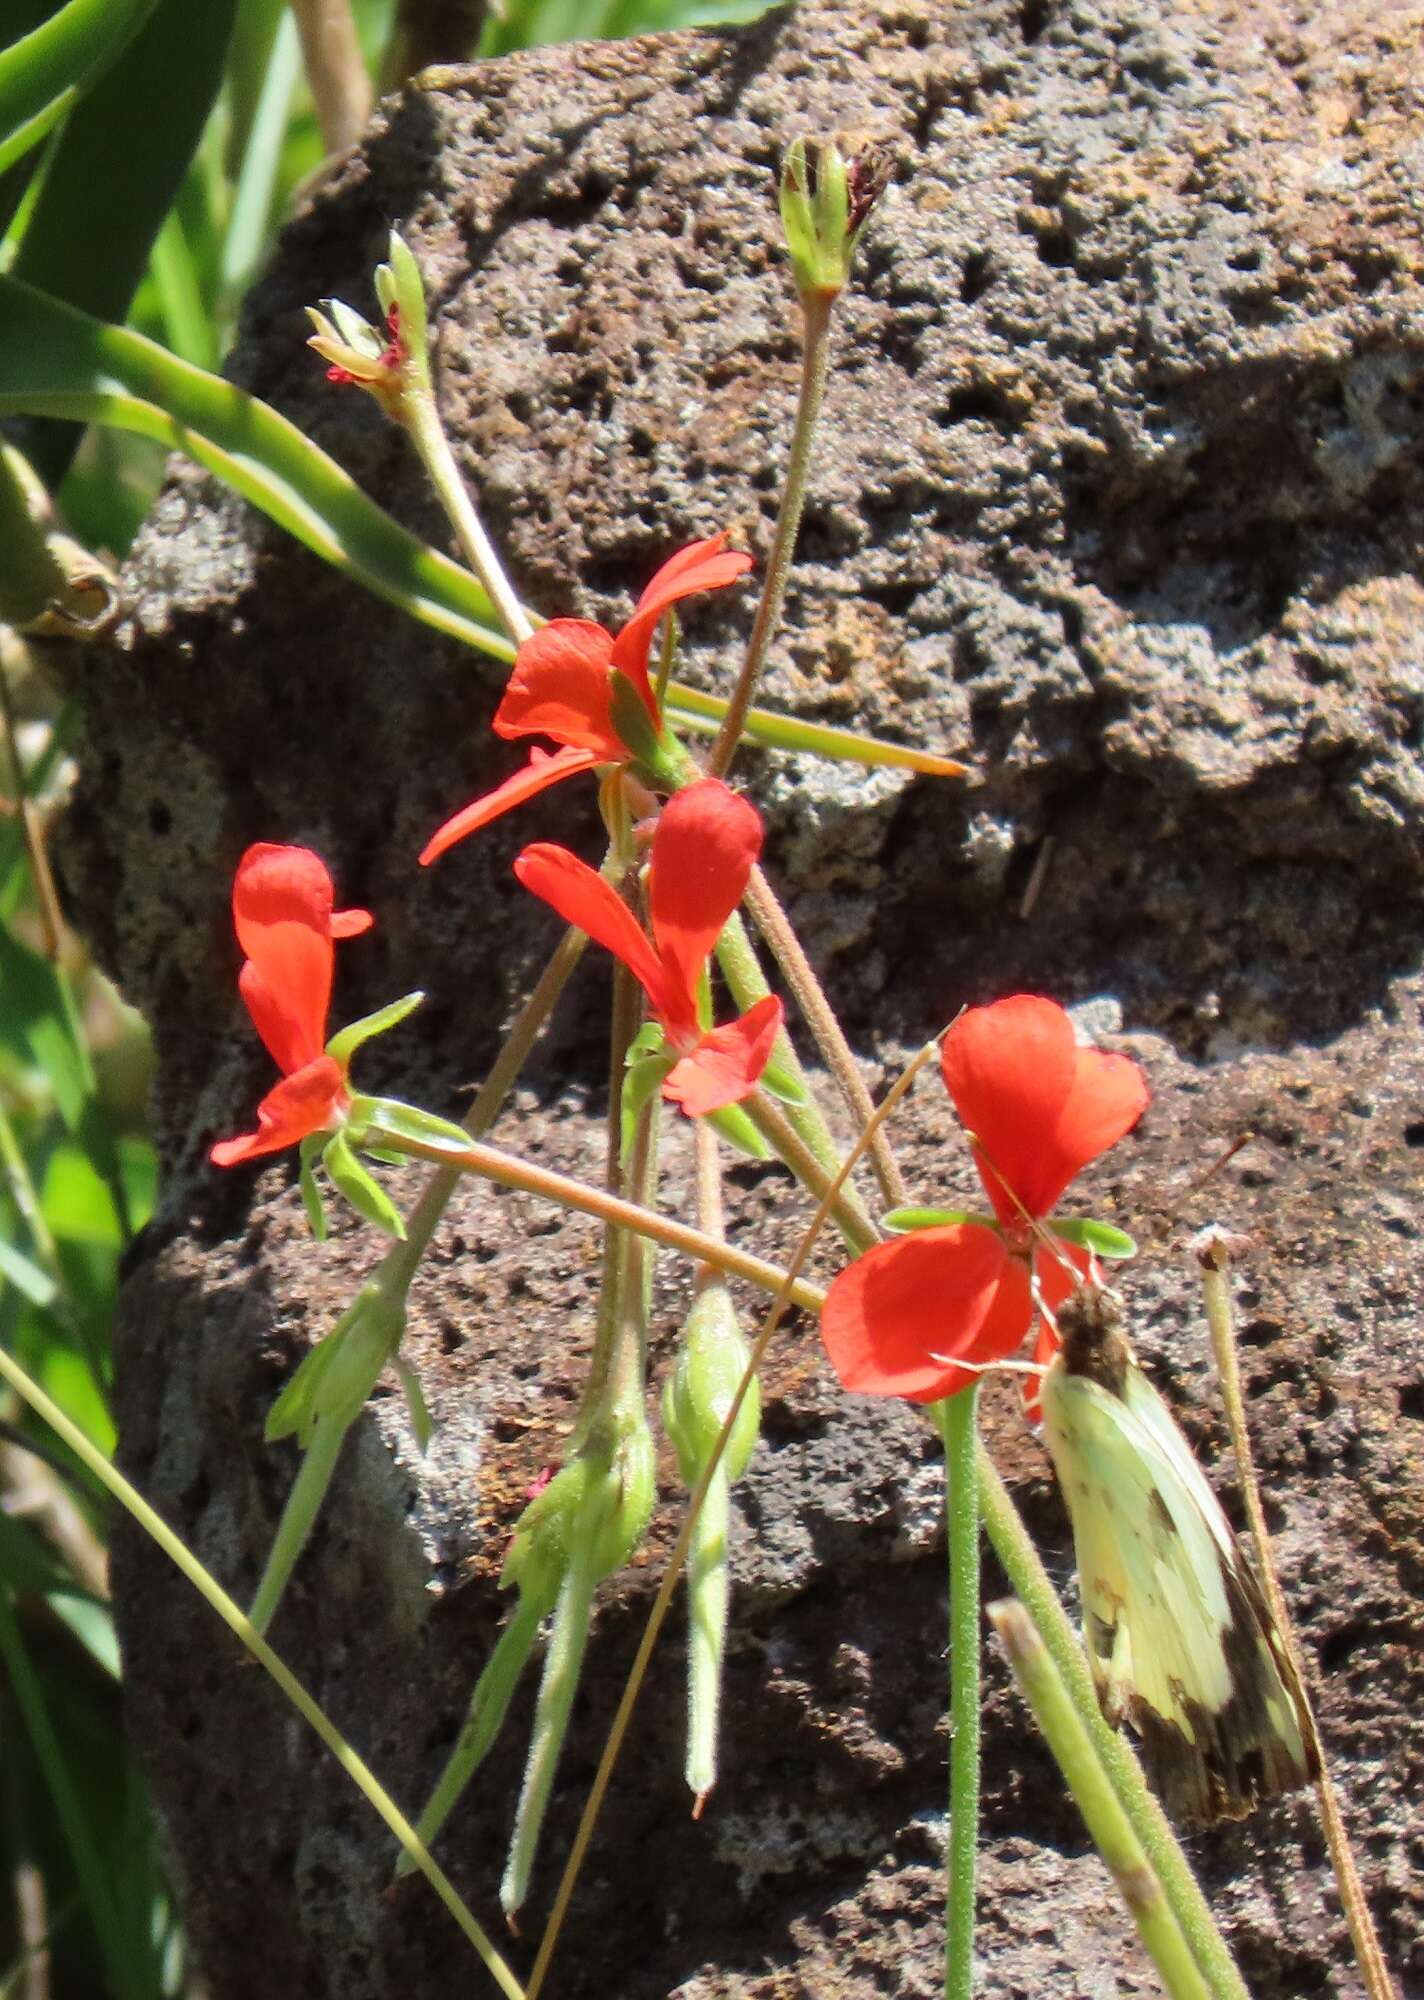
(307, 1182)
(336, 1377)
(294, 1411)
(641, 1084)
(635, 728)
(710, 1364)
(1099, 1237)
(355, 1185)
(779, 1082)
(606, 1490)
(342, 1047)
(421, 1421)
(734, 1125)
(399, 283)
(393, 1119)
(900, 1221)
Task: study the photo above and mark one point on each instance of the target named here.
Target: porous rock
(1118, 494)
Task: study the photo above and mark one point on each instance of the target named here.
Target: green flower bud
(824, 206)
(710, 1365)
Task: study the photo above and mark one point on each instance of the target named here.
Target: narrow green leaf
(43, 73)
(115, 140)
(704, 712)
(778, 1082)
(642, 1081)
(55, 361)
(37, 1022)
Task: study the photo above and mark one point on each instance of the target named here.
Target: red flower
(282, 910)
(562, 687)
(903, 1318)
(706, 842)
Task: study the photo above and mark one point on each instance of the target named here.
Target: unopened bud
(825, 203)
(710, 1366)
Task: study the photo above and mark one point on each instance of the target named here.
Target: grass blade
(44, 72)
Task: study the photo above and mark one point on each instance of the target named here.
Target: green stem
(955, 1417)
(232, 1615)
(816, 1011)
(483, 1720)
(1213, 1253)
(422, 421)
(1030, 1582)
(1042, 1687)
(815, 357)
(747, 984)
(551, 1715)
(508, 1171)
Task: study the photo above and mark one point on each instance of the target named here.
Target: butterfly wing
(1181, 1644)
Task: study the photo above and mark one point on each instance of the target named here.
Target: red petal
(1040, 1106)
(286, 991)
(706, 842)
(583, 897)
(299, 1105)
(279, 885)
(538, 775)
(560, 687)
(727, 1063)
(704, 566)
(350, 923)
(893, 1319)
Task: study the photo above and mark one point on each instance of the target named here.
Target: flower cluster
(918, 1316)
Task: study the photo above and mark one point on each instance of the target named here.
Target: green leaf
(900, 1221)
(57, 362)
(704, 712)
(342, 1047)
(38, 1022)
(43, 73)
(354, 1184)
(1099, 1237)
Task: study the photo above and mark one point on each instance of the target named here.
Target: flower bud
(824, 206)
(710, 1365)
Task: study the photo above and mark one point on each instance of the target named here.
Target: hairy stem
(956, 1418)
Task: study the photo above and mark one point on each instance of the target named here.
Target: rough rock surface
(1119, 493)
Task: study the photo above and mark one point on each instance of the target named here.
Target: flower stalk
(956, 1420)
(1042, 1688)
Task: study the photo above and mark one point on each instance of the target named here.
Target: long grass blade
(43, 73)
